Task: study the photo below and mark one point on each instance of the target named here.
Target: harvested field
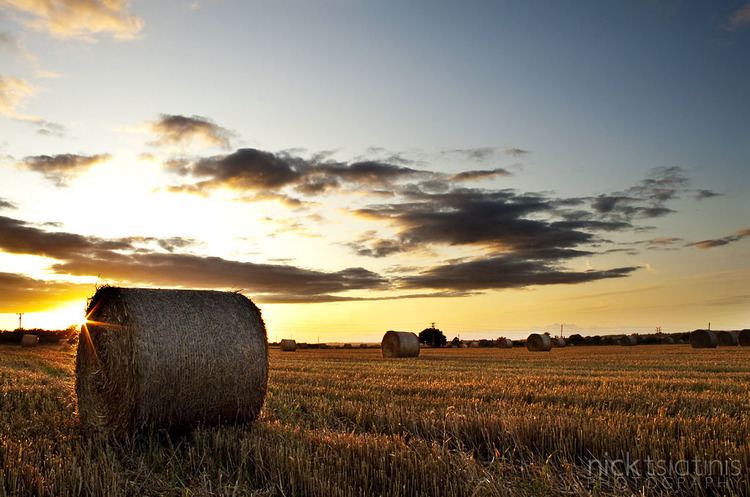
(453, 422)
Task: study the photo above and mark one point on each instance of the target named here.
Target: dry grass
(454, 422)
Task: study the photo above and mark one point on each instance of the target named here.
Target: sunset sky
(357, 166)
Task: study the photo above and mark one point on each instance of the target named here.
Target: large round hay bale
(400, 344)
(505, 343)
(170, 359)
(539, 342)
(558, 342)
(29, 340)
(728, 338)
(629, 340)
(287, 345)
(667, 340)
(744, 338)
(703, 339)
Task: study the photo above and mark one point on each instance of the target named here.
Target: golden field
(454, 422)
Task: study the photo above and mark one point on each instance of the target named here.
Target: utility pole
(20, 320)
(433, 325)
(709, 326)
(561, 330)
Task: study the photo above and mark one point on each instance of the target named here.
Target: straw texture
(170, 359)
(703, 339)
(400, 344)
(538, 342)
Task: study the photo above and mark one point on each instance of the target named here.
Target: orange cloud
(80, 19)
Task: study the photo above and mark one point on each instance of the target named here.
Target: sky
(357, 166)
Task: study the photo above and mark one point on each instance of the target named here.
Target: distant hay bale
(288, 345)
(29, 340)
(704, 339)
(728, 338)
(558, 342)
(629, 340)
(505, 343)
(667, 340)
(400, 344)
(744, 338)
(538, 342)
(170, 359)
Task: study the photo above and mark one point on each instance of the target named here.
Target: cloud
(19, 293)
(719, 242)
(504, 271)
(739, 18)
(15, 45)
(13, 94)
(174, 129)
(82, 19)
(484, 154)
(253, 170)
(662, 243)
(516, 152)
(127, 260)
(501, 220)
(646, 199)
(477, 175)
(704, 194)
(6, 204)
(61, 168)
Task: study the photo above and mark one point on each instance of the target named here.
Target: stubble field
(645, 420)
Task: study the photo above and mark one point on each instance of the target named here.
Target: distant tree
(456, 342)
(576, 339)
(433, 337)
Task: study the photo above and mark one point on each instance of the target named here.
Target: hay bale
(558, 342)
(744, 338)
(538, 342)
(29, 340)
(287, 345)
(505, 343)
(629, 340)
(704, 339)
(728, 338)
(667, 340)
(400, 344)
(170, 359)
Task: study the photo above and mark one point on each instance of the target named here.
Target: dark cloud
(504, 271)
(494, 219)
(5, 204)
(704, 194)
(646, 199)
(61, 168)
(719, 242)
(477, 175)
(250, 169)
(175, 129)
(128, 260)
